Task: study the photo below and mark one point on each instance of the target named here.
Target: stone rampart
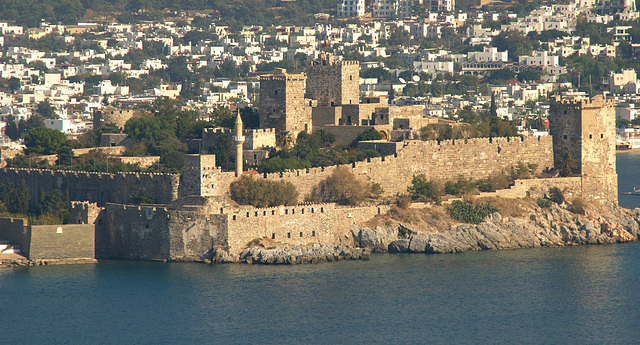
(444, 160)
(151, 233)
(16, 231)
(297, 225)
(94, 187)
(133, 232)
(570, 186)
(67, 241)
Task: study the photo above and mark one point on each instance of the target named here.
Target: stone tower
(239, 140)
(586, 129)
(282, 103)
(333, 83)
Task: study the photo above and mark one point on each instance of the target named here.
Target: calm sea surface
(582, 295)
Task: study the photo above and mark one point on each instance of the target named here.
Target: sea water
(577, 295)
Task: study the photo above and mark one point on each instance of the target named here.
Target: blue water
(628, 167)
(581, 295)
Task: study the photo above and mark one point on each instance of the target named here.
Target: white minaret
(239, 139)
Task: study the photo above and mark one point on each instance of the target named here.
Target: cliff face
(552, 227)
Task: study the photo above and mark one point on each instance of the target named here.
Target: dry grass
(516, 208)
(427, 219)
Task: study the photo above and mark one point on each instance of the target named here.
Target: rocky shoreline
(554, 227)
(315, 253)
(39, 262)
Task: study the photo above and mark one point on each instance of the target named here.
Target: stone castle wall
(16, 231)
(445, 160)
(94, 187)
(297, 225)
(67, 241)
(158, 233)
(49, 241)
(570, 186)
(133, 232)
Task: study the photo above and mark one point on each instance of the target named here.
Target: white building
(351, 8)
(397, 8)
(441, 5)
(488, 54)
(539, 58)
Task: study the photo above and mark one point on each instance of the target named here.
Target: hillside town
(190, 112)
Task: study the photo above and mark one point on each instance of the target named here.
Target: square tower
(586, 129)
(333, 83)
(282, 103)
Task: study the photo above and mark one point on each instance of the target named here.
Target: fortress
(193, 217)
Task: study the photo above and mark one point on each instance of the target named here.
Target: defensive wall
(570, 187)
(68, 241)
(94, 187)
(152, 232)
(444, 160)
(297, 225)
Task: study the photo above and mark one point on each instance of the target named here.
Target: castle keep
(282, 103)
(333, 83)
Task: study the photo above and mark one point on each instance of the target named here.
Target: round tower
(239, 139)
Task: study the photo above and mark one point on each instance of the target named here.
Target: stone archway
(384, 135)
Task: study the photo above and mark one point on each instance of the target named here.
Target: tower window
(276, 91)
(590, 136)
(564, 137)
(601, 136)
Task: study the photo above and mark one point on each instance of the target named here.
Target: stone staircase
(8, 248)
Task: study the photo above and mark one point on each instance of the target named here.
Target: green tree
(65, 155)
(423, 190)
(565, 163)
(369, 134)
(14, 84)
(45, 110)
(44, 141)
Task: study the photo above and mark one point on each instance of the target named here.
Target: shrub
(460, 187)
(369, 134)
(544, 203)
(423, 190)
(577, 205)
(523, 170)
(467, 213)
(555, 195)
(375, 189)
(403, 201)
(494, 182)
(143, 197)
(404, 232)
(263, 193)
(342, 187)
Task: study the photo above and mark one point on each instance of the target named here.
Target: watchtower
(282, 103)
(333, 83)
(585, 128)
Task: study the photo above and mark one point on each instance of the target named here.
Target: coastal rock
(418, 243)
(291, 255)
(555, 226)
(399, 246)
(376, 240)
